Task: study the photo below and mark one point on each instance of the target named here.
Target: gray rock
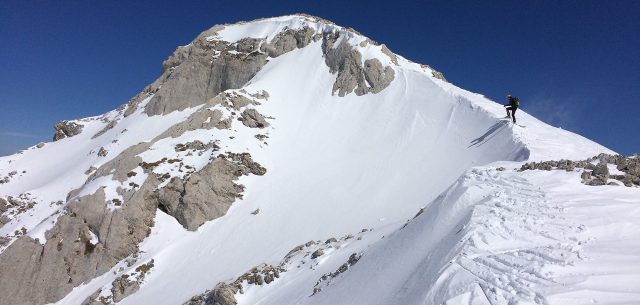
(123, 287)
(204, 196)
(392, 56)
(223, 294)
(68, 258)
(317, 254)
(331, 240)
(102, 152)
(200, 72)
(346, 62)
(3, 205)
(601, 171)
(596, 182)
(377, 76)
(247, 165)
(438, 75)
(287, 41)
(66, 129)
(248, 45)
(253, 119)
(351, 75)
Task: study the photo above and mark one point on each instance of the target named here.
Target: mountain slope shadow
(489, 134)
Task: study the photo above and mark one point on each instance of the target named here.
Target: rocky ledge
(596, 169)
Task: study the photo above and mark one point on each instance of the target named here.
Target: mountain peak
(279, 145)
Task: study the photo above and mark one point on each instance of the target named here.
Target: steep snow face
(335, 165)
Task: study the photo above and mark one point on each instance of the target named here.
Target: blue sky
(573, 64)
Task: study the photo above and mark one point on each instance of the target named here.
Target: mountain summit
(290, 160)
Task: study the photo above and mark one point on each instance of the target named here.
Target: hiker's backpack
(515, 101)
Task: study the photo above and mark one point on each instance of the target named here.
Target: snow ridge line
(510, 238)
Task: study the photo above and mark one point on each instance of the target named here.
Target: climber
(513, 105)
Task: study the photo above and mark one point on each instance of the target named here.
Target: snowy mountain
(290, 160)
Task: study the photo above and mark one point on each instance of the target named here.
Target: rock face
(206, 194)
(200, 71)
(66, 129)
(68, 258)
(376, 75)
(346, 61)
(287, 41)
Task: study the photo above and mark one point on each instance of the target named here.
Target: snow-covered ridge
(328, 135)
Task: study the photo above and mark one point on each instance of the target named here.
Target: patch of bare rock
(66, 129)
(595, 169)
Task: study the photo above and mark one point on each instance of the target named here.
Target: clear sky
(573, 64)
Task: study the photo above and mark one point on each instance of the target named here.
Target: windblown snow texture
(290, 160)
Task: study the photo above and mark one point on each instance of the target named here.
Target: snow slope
(505, 238)
(338, 165)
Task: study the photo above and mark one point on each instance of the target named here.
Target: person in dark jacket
(513, 105)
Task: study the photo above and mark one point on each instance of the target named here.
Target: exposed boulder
(102, 152)
(223, 294)
(601, 171)
(253, 119)
(123, 287)
(207, 194)
(317, 253)
(66, 129)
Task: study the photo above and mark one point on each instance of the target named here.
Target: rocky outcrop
(206, 194)
(353, 259)
(127, 284)
(265, 274)
(253, 119)
(224, 293)
(345, 61)
(123, 287)
(376, 75)
(596, 171)
(66, 129)
(438, 75)
(102, 152)
(70, 256)
(288, 40)
(200, 71)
